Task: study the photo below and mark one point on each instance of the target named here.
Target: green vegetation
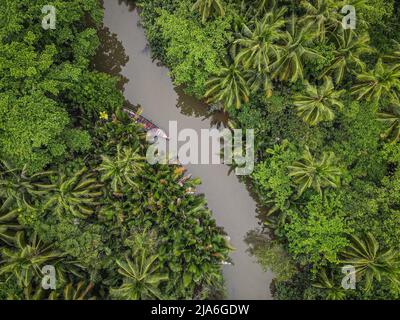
(324, 103)
(75, 191)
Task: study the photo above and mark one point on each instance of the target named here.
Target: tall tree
(381, 82)
(310, 172)
(316, 104)
(229, 87)
(394, 56)
(323, 14)
(18, 185)
(349, 48)
(297, 48)
(330, 287)
(142, 277)
(121, 169)
(208, 8)
(259, 44)
(371, 262)
(76, 195)
(391, 119)
(8, 221)
(24, 262)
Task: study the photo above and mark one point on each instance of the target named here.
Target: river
(124, 50)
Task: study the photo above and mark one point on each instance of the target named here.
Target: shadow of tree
(110, 56)
(192, 107)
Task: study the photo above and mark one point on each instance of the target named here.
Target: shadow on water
(110, 57)
(192, 107)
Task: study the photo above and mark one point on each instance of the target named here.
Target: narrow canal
(125, 51)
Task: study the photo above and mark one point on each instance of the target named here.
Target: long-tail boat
(147, 124)
(156, 131)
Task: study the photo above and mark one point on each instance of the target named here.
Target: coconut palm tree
(310, 172)
(262, 6)
(348, 50)
(8, 221)
(71, 291)
(80, 291)
(259, 81)
(257, 45)
(16, 184)
(330, 287)
(360, 6)
(391, 118)
(76, 195)
(316, 104)
(142, 277)
(298, 41)
(381, 82)
(24, 262)
(122, 169)
(229, 87)
(394, 57)
(371, 262)
(207, 8)
(324, 15)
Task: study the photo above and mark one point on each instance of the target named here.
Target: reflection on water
(147, 83)
(110, 57)
(191, 107)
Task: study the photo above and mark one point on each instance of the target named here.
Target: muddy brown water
(124, 51)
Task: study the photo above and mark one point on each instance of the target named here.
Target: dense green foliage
(75, 191)
(324, 103)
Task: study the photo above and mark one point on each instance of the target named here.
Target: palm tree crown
(141, 277)
(323, 14)
(209, 7)
(295, 51)
(315, 105)
(77, 194)
(257, 46)
(122, 169)
(26, 260)
(391, 118)
(311, 172)
(348, 50)
(229, 87)
(8, 221)
(371, 262)
(378, 83)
